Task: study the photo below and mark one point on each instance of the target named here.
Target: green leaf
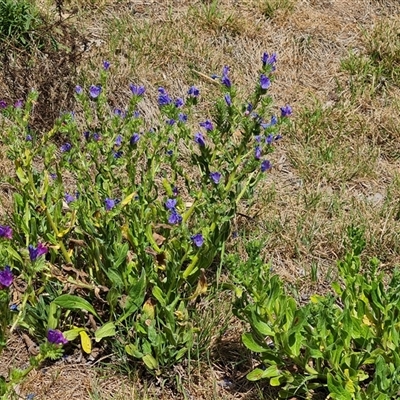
(260, 326)
(159, 295)
(72, 334)
(71, 302)
(255, 375)
(106, 330)
(251, 344)
(133, 351)
(150, 361)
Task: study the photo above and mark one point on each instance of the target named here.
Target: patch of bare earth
(337, 165)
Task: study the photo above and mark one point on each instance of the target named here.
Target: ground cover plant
(336, 166)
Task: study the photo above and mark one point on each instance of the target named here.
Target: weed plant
(118, 223)
(19, 21)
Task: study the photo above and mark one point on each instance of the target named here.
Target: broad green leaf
(106, 330)
(159, 295)
(52, 320)
(133, 351)
(72, 302)
(255, 375)
(150, 361)
(260, 326)
(251, 344)
(72, 334)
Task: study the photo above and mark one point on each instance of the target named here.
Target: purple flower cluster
(163, 98)
(215, 177)
(134, 139)
(6, 231)
(6, 277)
(137, 90)
(69, 198)
(110, 203)
(265, 83)
(56, 337)
(207, 125)
(199, 139)
(193, 91)
(35, 252)
(286, 111)
(197, 239)
(225, 78)
(94, 91)
(265, 165)
(174, 217)
(269, 60)
(66, 147)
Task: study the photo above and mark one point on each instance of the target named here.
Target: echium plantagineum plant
(141, 211)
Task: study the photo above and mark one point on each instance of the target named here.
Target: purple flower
(257, 152)
(175, 191)
(216, 177)
(106, 65)
(69, 198)
(193, 91)
(136, 114)
(3, 104)
(137, 90)
(207, 125)
(6, 231)
(265, 83)
(119, 112)
(110, 203)
(118, 154)
(96, 137)
(19, 103)
(163, 98)
(182, 117)
(6, 277)
(179, 102)
(171, 121)
(65, 147)
(249, 109)
(174, 217)
(277, 137)
(269, 139)
(199, 138)
(86, 135)
(134, 139)
(265, 165)
(226, 81)
(118, 140)
(56, 337)
(78, 89)
(170, 204)
(94, 91)
(269, 60)
(28, 138)
(170, 152)
(35, 252)
(228, 99)
(197, 239)
(286, 111)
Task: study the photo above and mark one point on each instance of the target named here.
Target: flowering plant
(139, 212)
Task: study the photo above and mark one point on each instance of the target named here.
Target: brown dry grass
(337, 165)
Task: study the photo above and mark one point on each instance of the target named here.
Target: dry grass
(337, 165)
